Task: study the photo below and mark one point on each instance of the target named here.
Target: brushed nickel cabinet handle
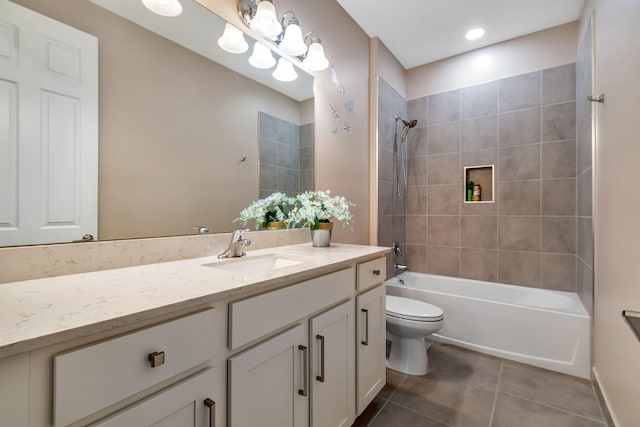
(305, 371)
(366, 327)
(376, 272)
(209, 403)
(321, 376)
(156, 358)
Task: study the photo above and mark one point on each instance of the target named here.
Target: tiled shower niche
(482, 176)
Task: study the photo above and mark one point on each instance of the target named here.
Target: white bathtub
(549, 329)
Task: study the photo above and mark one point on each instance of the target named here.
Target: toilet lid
(411, 309)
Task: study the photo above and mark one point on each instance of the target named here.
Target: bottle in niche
(476, 193)
(469, 191)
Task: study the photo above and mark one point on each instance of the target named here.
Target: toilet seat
(410, 309)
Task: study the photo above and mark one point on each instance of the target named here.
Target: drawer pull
(156, 358)
(366, 327)
(321, 376)
(305, 371)
(376, 272)
(212, 411)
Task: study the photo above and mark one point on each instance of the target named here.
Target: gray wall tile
(558, 272)
(443, 230)
(385, 165)
(384, 230)
(519, 268)
(584, 145)
(558, 122)
(417, 143)
(444, 199)
(417, 199)
(307, 180)
(479, 264)
(417, 170)
(479, 209)
(519, 163)
(287, 180)
(306, 158)
(559, 196)
(417, 229)
(559, 235)
(480, 158)
(268, 126)
(479, 100)
(417, 258)
(519, 197)
(443, 260)
(585, 240)
(288, 156)
(479, 232)
(479, 134)
(519, 92)
(559, 84)
(444, 138)
(268, 152)
(390, 101)
(386, 129)
(519, 233)
(418, 109)
(444, 107)
(519, 127)
(287, 133)
(585, 192)
(585, 285)
(268, 177)
(399, 226)
(559, 159)
(444, 169)
(307, 136)
(385, 198)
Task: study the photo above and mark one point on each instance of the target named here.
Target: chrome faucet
(400, 267)
(201, 229)
(236, 245)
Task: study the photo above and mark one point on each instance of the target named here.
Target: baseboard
(602, 399)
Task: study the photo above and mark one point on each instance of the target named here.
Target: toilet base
(408, 355)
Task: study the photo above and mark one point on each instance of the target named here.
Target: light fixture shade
(292, 42)
(266, 22)
(168, 8)
(315, 60)
(233, 40)
(261, 57)
(284, 71)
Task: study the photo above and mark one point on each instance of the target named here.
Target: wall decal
(334, 77)
(348, 106)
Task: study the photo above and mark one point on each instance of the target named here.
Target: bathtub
(549, 329)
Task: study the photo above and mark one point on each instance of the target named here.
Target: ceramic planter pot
(322, 236)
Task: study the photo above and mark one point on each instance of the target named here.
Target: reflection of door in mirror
(48, 129)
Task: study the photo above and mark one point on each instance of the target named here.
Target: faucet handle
(201, 229)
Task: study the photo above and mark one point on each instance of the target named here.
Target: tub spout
(400, 267)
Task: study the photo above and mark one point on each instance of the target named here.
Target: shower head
(408, 124)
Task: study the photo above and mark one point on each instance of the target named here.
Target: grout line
(556, 408)
(495, 398)
(418, 413)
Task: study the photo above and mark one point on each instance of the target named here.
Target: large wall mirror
(188, 134)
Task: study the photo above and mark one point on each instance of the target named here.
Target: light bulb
(261, 57)
(233, 40)
(265, 22)
(168, 8)
(284, 71)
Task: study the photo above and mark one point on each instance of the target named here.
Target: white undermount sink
(256, 264)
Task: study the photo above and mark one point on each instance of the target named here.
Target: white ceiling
(422, 31)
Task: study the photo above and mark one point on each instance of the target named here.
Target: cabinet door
(269, 383)
(332, 347)
(371, 345)
(189, 403)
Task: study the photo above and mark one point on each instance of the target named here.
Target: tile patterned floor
(469, 389)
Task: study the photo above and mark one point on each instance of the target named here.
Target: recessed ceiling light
(474, 34)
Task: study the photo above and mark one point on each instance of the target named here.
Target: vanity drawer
(257, 316)
(371, 273)
(94, 377)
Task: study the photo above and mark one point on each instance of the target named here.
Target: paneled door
(48, 129)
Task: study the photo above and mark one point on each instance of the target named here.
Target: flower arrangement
(313, 208)
(272, 208)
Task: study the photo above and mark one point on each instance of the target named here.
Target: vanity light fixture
(265, 22)
(315, 59)
(233, 40)
(261, 57)
(292, 42)
(168, 8)
(284, 71)
(474, 34)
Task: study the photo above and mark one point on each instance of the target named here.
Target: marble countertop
(40, 312)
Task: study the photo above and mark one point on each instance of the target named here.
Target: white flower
(314, 207)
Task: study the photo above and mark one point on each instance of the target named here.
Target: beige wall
(390, 69)
(544, 49)
(342, 160)
(173, 126)
(616, 203)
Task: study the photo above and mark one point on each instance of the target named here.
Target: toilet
(409, 322)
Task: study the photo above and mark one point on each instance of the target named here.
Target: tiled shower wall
(286, 156)
(584, 172)
(391, 209)
(526, 126)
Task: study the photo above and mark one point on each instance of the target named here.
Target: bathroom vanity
(287, 336)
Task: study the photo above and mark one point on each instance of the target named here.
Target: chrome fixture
(599, 98)
(169, 8)
(236, 245)
(292, 42)
(400, 267)
(403, 154)
(397, 250)
(201, 229)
